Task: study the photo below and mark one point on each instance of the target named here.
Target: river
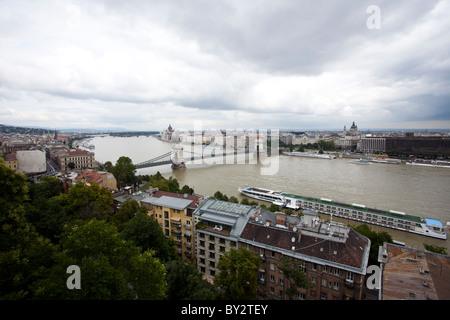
(422, 191)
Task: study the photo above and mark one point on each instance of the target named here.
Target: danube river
(422, 191)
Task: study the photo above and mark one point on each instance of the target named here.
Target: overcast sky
(141, 65)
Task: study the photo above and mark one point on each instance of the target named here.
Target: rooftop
(195, 200)
(169, 202)
(414, 274)
(310, 242)
(231, 215)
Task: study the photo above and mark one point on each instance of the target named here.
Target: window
(272, 266)
(324, 282)
(350, 276)
(272, 278)
(302, 266)
(335, 285)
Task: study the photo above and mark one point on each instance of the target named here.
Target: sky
(140, 65)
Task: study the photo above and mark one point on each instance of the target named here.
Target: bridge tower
(177, 158)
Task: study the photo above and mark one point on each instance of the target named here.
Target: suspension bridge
(178, 159)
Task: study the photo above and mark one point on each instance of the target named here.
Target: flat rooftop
(414, 274)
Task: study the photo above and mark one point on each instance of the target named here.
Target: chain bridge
(177, 156)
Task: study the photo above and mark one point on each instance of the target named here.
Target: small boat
(360, 161)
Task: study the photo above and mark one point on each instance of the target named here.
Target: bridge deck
(166, 158)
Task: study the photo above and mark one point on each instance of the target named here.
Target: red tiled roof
(90, 176)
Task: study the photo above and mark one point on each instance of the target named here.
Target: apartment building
(10, 160)
(218, 225)
(81, 159)
(174, 213)
(333, 256)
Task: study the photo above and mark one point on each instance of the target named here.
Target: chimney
(281, 218)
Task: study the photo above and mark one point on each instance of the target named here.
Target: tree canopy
(124, 171)
(238, 274)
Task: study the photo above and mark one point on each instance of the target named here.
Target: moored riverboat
(384, 218)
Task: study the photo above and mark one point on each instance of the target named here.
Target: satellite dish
(293, 239)
(267, 224)
(295, 229)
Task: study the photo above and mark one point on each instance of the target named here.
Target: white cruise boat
(389, 219)
(272, 196)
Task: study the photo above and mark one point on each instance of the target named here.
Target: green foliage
(184, 282)
(376, 238)
(163, 184)
(220, 196)
(238, 274)
(294, 275)
(126, 212)
(435, 249)
(31, 267)
(111, 268)
(24, 254)
(88, 202)
(145, 232)
(124, 171)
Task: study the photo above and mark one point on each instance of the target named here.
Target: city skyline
(285, 64)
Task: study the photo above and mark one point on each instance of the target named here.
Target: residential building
(101, 178)
(10, 160)
(218, 225)
(413, 274)
(174, 213)
(333, 256)
(81, 159)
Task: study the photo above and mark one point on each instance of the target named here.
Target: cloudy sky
(141, 65)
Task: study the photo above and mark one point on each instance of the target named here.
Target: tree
(24, 254)
(435, 249)
(238, 274)
(45, 210)
(127, 211)
(220, 196)
(274, 208)
(186, 190)
(245, 201)
(88, 202)
(184, 282)
(111, 268)
(294, 275)
(376, 240)
(124, 171)
(144, 231)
